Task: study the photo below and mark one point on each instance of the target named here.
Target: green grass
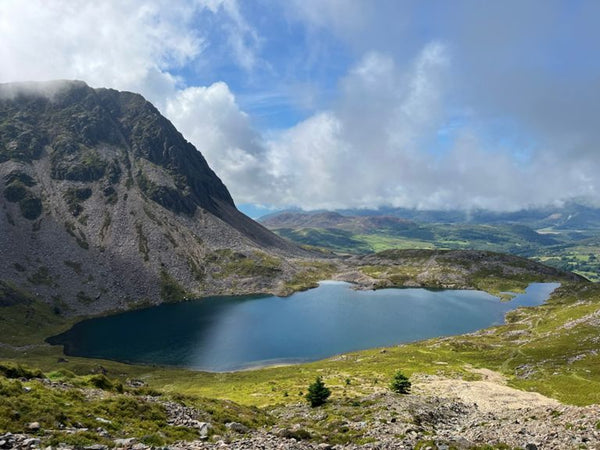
(308, 277)
(232, 263)
(29, 322)
(170, 290)
(122, 412)
(378, 242)
(548, 349)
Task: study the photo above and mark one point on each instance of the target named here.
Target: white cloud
(134, 45)
(366, 151)
(211, 119)
(125, 45)
(377, 141)
(371, 149)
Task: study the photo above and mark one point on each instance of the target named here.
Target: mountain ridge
(105, 204)
(571, 215)
(568, 239)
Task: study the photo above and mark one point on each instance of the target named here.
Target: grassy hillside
(551, 349)
(573, 250)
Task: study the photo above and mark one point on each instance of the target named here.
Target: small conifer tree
(317, 393)
(400, 383)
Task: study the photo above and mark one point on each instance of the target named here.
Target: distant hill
(355, 224)
(104, 203)
(566, 238)
(570, 216)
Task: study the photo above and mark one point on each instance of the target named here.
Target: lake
(233, 333)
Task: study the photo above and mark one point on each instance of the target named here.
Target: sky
(326, 104)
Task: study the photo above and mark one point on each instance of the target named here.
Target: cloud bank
(424, 105)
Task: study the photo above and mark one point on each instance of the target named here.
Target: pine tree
(317, 393)
(400, 383)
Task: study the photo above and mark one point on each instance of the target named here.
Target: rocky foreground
(439, 414)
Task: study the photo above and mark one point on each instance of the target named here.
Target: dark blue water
(231, 333)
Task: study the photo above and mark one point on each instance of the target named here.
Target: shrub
(317, 393)
(400, 383)
(15, 191)
(16, 371)
(170, 290)
(31, 207)
(101, 382)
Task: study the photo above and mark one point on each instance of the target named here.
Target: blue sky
(347, 103)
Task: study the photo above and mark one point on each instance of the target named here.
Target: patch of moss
(30, 206)
(82, 297)
(172, 199)
(76, 266)
(75, 197)
(12, 295)
(20, 177)
(142, 241)
(113, 172)
(111, 195)
(20, 143)
(16, 371)
(152, 216)
(105, 225)
(79, 235)
(197, 269)
(87, 166)
(255, 264)
(41, 276)
(171, 239)
(15, 191)
(170, 290)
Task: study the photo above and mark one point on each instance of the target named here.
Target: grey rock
(238, 427)
(33, 426)
(203, 428)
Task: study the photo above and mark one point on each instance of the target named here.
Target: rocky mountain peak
(98, 182)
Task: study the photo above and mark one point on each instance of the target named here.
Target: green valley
(576, 250)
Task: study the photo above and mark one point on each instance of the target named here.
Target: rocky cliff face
(104, 203)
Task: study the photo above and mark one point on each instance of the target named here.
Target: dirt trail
(490, 394)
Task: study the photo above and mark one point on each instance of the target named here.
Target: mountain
(303, 227)
(569, 216)
(566, 237)
(329, 219)
(105, 203)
